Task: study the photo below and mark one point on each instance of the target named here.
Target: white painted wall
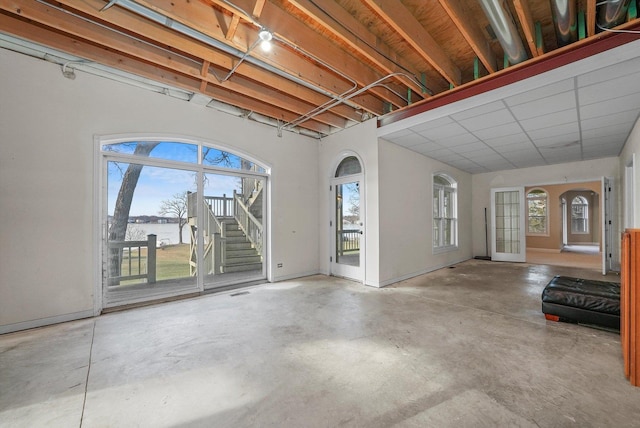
(573, 172)
(47, 128)
(406, 214)
(361, 140)
(631, 148)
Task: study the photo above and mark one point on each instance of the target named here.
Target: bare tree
(176, 207)
(118, 228)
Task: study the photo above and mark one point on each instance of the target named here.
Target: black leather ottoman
(582, 301)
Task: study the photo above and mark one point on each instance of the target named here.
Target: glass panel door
(146, 253)
(508, 225)
(348, 229)
(232, 229)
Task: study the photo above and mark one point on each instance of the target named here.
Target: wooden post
(224, 205)
(217, 253)
(151, 259)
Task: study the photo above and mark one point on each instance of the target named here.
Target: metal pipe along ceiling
(612, 13)
(565, 19)
(505, 29)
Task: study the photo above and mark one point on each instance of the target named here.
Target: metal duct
(565, 19)
(612, 13)
(505, 29)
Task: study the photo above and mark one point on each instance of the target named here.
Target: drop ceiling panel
(559, 140)
(553, 131)
(477, 145)
(549, 120)
(506, 140)
(499, 131)
(609, 120)
(477, 111)
(520, 155)
(488, 120)
(410, 140)
(426, 147)
(611, 72)
(610, 89)
(545, 106)
(608, 141)
(543, 92)
(605, 131)
(442, 132)
(609, 107)
(514, 147)
(459, 140)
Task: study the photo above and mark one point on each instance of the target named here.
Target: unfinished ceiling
(332, 64)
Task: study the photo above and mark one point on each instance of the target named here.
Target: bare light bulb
(266, 37)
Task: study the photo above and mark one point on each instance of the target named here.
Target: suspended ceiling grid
(567, 116)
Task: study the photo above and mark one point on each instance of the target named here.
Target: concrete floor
(460, 347)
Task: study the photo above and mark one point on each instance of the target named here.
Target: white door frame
(606, 215)
(338, 269)
(521, 256)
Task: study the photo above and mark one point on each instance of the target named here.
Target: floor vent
(239, 294)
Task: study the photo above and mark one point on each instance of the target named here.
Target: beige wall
(48, 250)
(553, 240)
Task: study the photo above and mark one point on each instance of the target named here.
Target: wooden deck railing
(250, 225)
(133, 263)
(349, 240)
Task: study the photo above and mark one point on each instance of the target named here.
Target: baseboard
(41, 322)
(414, 274)
(296, 275)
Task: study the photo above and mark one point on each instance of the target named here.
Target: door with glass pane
(348, 231)
(508, 239)
(146, 250)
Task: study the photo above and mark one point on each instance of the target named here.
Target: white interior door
(347, 226)
(508, 226)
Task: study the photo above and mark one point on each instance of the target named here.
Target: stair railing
(213, 231)
(250, 225)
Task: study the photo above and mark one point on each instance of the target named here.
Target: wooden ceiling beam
(159, 57)
(349, 30)
(591, 18)
(200, 16)
(312, 44)
(471, 32)
(406, 25)
(526, 21)
(231, 31)
(86, 50)
(124, 19)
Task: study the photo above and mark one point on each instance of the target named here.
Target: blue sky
(157, 184)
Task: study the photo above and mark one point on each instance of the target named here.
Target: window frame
(584, 218)
(546, 211)
(439, 213)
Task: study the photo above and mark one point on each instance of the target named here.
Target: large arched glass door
(179, 217)
(347, 224)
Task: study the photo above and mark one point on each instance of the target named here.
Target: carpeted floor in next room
(465, 346)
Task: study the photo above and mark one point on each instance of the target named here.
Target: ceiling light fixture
(265, 37)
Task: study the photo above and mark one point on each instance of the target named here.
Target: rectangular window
(444, 213)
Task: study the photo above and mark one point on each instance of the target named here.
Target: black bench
(582, 301)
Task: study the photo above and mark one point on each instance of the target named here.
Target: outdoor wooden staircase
(239, 253)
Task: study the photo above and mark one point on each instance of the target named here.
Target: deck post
(151, 258)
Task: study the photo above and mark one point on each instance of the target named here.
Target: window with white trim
(537, 202)
(579, 215)
(445, 213)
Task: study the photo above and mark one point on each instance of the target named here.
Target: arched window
(348, 166)
(445, 212)
(537, 212)
(579, 215)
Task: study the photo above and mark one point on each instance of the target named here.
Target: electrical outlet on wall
(279, 265)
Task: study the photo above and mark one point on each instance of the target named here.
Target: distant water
(167, 234)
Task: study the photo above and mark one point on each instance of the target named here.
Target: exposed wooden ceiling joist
(404, 23)
(526, 20)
